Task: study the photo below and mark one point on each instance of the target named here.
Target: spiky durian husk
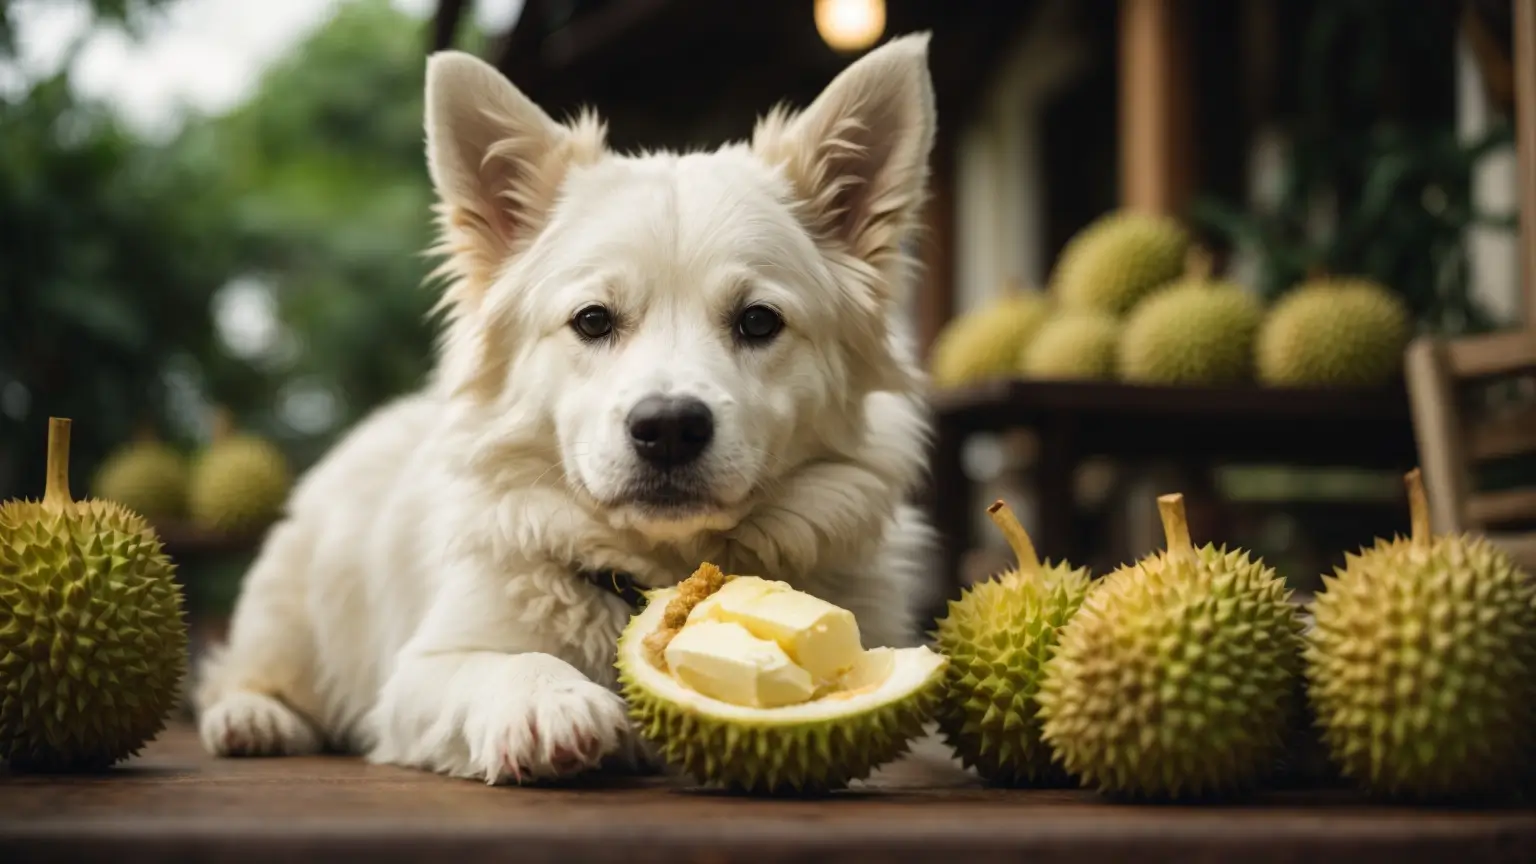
(770, 759)
(998, 637)
(1118, 259)
(1192, 331)
(92, 636)
(1073, 346)
(239, 484)
(148, 477)
(1422, 668)
(1336, 332)
(1175, 678)
(984, 344)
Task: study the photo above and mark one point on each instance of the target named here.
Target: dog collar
(619, 584)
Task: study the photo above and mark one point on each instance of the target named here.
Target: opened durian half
(750, 685)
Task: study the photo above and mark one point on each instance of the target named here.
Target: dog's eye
(758, 324)
(593, 322)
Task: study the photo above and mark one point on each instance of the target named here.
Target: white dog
(649, 361)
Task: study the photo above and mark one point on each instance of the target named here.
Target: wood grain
(1492, 355)
(175, 804)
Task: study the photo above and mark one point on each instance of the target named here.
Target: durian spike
(1198, 263)
(1418, 507)
(56, 491)
(1175, 525)
(1018, 539)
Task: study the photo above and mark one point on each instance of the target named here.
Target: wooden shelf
(1365, 427)
(176, 803)
(184, 541)
(1206, 426)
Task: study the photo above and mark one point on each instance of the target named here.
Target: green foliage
(1398, 183)
(112, 251)
(116, 249)
(331, 203)
(123, 13)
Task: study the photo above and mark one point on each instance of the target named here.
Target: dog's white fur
(419, 603)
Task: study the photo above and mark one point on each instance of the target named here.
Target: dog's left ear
(858, 155)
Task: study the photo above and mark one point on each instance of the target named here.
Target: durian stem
(1018, 539)
(1418, 507)
(1198, 263)
(56, 491)
(1175, 524)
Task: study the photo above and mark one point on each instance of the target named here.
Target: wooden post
(1525, 130)
(1156, 117)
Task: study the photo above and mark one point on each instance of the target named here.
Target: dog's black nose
(670, 431)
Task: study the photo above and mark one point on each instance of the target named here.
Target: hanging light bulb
(850, 25)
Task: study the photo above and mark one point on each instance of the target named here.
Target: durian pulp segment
(817, 636)
(879, 677)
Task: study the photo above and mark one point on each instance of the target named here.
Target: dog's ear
(858, 155)
(496, 160)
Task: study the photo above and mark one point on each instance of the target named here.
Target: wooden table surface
(175, 804)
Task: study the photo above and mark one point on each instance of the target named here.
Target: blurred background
(212, 217)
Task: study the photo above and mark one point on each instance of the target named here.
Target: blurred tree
(123, 257)
(110, 253)
(121, 13)
(1371, 141)
(331, 202)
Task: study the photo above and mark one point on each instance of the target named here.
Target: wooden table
(175, 804)
(1205, 425)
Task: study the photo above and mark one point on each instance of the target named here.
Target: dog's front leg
(472, 695)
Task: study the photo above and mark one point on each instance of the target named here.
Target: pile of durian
(1191, 674)
(1133, 299)
(236, 483)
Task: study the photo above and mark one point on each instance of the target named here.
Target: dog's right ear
(496, 160)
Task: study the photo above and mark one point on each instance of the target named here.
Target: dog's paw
(543, 720)
(251, 724)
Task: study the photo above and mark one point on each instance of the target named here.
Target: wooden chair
(1474, 403)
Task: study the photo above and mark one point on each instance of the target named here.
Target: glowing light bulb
(850, 25)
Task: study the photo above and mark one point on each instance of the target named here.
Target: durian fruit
(1118, 259)
(240, 482)
(1073, 345)
(1197, 330)
(998, 637)
(1421, 664)
(93, 643)
(984, 344)
(1333, 332)
(746, 684)
(147, 476)
(1177, 677)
